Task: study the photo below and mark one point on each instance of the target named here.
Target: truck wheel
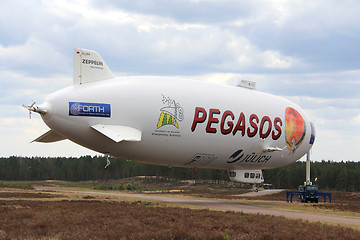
(316, 200)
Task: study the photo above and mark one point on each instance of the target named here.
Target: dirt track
(218, 204)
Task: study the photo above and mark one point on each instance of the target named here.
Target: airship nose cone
(44, 109)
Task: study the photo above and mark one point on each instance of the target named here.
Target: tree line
(341, 176)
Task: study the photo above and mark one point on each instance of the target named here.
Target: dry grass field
(32, 214)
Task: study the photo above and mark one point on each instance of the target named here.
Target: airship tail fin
(89, 67)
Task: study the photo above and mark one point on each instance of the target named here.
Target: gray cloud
(208, 12)
(158, 38)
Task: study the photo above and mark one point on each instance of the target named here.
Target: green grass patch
(78, 184)
(108, 187)
(129, 187)
(17, 184)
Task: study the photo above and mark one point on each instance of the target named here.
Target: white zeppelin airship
(174, 121)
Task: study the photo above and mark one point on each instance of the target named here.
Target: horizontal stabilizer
(49, 137)
(119, 133)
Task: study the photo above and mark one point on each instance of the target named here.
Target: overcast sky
(305, 51)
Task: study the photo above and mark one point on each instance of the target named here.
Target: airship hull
(175, 121)
(181, 122)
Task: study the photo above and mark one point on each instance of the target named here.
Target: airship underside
(174, 121)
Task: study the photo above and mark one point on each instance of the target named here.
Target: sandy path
(218, 204)
(261, 193)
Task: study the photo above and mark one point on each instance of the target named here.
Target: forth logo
(89, 109)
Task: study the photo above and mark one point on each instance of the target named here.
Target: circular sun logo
(74, 109)
(295, 128)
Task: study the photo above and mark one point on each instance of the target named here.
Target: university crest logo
(171, 113)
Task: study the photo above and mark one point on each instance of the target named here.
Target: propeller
(30, 108)
(33, 108)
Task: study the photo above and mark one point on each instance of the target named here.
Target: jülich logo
(89, 109)
(250, 158)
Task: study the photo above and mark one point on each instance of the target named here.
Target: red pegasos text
(228, 123)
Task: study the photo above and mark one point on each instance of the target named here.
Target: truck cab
(310, 193)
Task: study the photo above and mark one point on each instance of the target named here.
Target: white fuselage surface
(212, 122)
